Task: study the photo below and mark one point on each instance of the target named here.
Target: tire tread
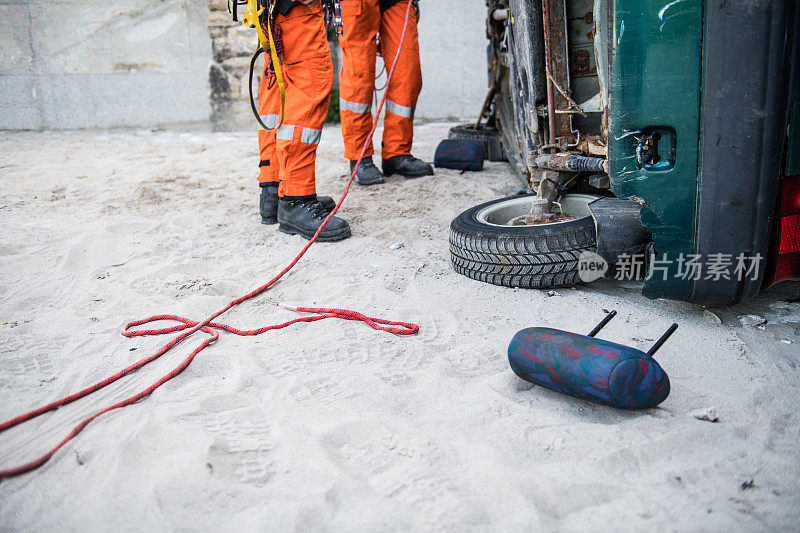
(537, 260)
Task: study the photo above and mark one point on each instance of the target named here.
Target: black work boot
(407, 166)
(368, 173)
(303, 215)
(268, 206)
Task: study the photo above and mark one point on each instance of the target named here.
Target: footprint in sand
(400, 364)
(411, 470)
(324, 391)
(35, 361)
(242, 446)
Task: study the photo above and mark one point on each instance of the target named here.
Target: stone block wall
(232, 46)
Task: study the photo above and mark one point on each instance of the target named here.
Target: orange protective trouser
(288, 155)
(362, 22)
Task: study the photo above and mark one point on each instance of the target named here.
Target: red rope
(188, 327)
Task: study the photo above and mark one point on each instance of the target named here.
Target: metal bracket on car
(618, 224)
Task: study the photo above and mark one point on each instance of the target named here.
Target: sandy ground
(331, 425)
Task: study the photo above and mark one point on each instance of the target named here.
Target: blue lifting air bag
(592, 369)
(460, 155)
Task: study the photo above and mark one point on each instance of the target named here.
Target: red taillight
(787, 261)
(790, 196)
(790, 235)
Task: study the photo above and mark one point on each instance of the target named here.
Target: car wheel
(484, 134)
(484, 248)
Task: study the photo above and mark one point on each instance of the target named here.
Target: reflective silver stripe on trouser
(270, 121)
(399, 110)
(355, 107)
(311, 136)
(286, 131)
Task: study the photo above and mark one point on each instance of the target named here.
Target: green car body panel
(655, 87)
(711, 79)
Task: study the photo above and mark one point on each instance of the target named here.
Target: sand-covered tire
(532, 257)
(484, 134)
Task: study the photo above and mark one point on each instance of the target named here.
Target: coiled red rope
(187, 327)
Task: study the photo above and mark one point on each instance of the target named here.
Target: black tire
(531, 257)
(485, 134)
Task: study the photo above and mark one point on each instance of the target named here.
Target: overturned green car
(658, 137)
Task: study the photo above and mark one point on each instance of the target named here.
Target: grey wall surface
(68, 64)
(453, 52)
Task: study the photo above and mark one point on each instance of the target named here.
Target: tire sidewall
(467, 222)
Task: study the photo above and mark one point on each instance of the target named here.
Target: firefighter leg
(268, 175)
(309, 77)
(398, 132)
(268, 164)
(359, 49)
(308, 72)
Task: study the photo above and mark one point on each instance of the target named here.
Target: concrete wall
(452, 37)
(453, 52)
(102, 63)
